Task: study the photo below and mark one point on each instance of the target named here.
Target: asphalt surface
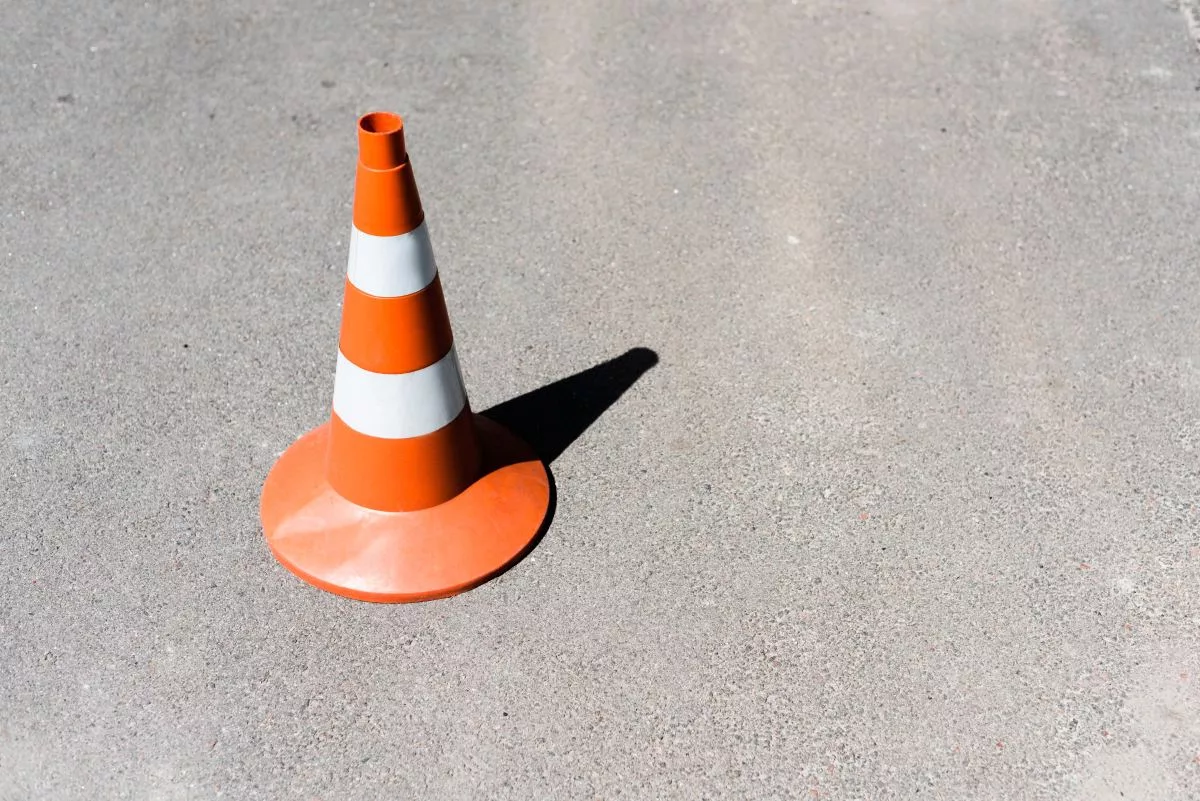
(894, 494)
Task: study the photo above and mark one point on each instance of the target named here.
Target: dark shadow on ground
(553, 417)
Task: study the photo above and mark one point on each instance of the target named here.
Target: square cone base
(393, 557)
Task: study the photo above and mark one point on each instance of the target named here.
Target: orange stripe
(395, 335)
(386, 202)
(396, 475)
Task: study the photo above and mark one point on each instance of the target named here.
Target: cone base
(393, 557)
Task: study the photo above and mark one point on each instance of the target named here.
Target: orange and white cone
(404, 494)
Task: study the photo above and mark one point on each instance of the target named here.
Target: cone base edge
(403, 557)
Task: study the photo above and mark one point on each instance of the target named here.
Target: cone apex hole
(380, 122)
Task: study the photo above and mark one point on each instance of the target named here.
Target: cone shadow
(551, 418)
(554, 416)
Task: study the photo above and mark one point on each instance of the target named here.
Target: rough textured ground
(906, 509)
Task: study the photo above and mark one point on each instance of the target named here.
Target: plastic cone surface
(404, 494)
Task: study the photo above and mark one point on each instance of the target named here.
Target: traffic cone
(404, 494)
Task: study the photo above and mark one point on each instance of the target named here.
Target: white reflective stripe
(391, 266)
(400, 405)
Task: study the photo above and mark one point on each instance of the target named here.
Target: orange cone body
(405, 494)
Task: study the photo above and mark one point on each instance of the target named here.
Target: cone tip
(381, 140)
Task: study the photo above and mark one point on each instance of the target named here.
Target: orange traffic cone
(404, 494)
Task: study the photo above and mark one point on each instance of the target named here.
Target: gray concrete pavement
(907, 508)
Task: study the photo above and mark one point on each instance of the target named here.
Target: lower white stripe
(391, 266)
(399, 405)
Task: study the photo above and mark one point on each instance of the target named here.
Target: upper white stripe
(402, 404)
(391, 266)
